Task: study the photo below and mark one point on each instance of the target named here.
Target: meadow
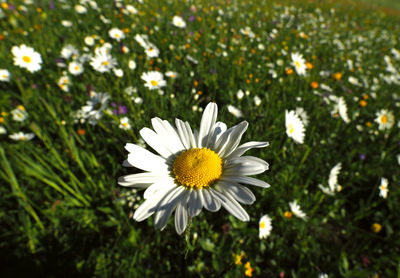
(81, 79)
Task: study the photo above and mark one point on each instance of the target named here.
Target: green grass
(62, 210)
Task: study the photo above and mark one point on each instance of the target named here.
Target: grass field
(81, 79)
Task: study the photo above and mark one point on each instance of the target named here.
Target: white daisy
(193, 170)
(124, 123)
(3, 130)
(296, 210)
(385, 119)
(131, 9)
(26, 57)
(80, 9)
(342, 107)
(75, 68)
(171, 74)
(333, 185)
(265, 226)
(178, 22)
(383, 188)
(4, 75)
(66, 23)
(93, 110)
(116, 34)
(21, 136)
(294, 127)
(299, 63)
(19, 115)
(63, 83)
(302, 114)
(132, 64)
(103, 61)
(235, 111)
(69, 51)
(151, 51)
(89, 40)
(154, 80)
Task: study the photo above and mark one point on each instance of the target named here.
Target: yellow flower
(288, 214)
(376, 227)
(363, 103)
(249, 269)
(289, 71)
(337, 76)
(314, 85)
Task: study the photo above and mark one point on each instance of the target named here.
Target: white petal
(245, 165)
(145, 160)
(231, 205)
(192, 137)
(183, 133)
(166, 131)
(162, 184)
(167, 206)
(181, 214)
(247, 146)
(139, 180)
(239, 192)
(245, 180)
(195, 203)
(148, 207)
(218, 129)
(230, 139)
(211, 203)
(155, 141)
(207, 123)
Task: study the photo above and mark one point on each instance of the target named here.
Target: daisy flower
(154, 80)
(21, 136)
(26, 57)
(235, 111)
(171, 74)
(63, 83)
(193, 170)
(385, 119)
(294, 127)
(103, 61)
(151, 51)
(333, 185)
(302, 115)
(299, 63)
(124, 123)
(19, 114)
(3, 130)
(116, 34)
(93, 110)
(75, 68)
(178, 22)
(4, 75)
(69, 51)
(265, 226)
(342, 107)
(296, 210)
(383, 188)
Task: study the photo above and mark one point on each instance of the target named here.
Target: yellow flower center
(26, 59)
(297, 64)
(291, 128)
(384, 119)
(76, 68)
(153, 83)
(105, 63)
(125, 124)
(197, 168)
(262, 225)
